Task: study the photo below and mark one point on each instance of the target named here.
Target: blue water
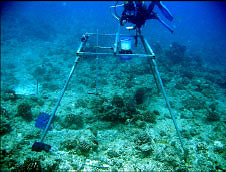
(200, 26)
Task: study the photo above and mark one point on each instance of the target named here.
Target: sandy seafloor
(110, 138)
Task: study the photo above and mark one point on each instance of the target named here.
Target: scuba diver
(137, 13)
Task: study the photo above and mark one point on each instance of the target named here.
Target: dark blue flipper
(164, 10)
(166, 25)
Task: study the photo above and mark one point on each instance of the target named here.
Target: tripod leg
(62, 93)
(150, 51)
(149, 61)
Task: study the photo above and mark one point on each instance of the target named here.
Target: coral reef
(131, 106)
(115, 111)
(140, 95)
(219, 147)
(176, 53)
(83, 145)
(5, 127)
(142, 138)
(212, 116)
(24, 110)
(4, 112)
(117, 101)
(113, 153)
(193, 104)
(37, 100)
(143, 144)
(145, 150)
(111, 113)
(30, 165)
(149, 116)
(72, 121)
(3, 153)
(5, 162)
(9, 94)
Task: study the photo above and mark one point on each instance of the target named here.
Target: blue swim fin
(166, 25)
(164, 10)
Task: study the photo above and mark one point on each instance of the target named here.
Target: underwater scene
(113, 86)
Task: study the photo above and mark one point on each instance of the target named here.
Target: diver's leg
(151, 7)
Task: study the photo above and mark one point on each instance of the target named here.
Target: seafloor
(128, 126)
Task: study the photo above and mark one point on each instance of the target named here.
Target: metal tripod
(114, 51)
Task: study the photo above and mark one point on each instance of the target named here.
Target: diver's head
(128, 5)
(129, 8)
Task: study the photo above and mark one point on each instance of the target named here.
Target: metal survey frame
(149, 53)
(114, 48)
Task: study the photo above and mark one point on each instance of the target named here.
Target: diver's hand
(122, 22)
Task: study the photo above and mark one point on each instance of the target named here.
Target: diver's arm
(123, 19)
(153, 15)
